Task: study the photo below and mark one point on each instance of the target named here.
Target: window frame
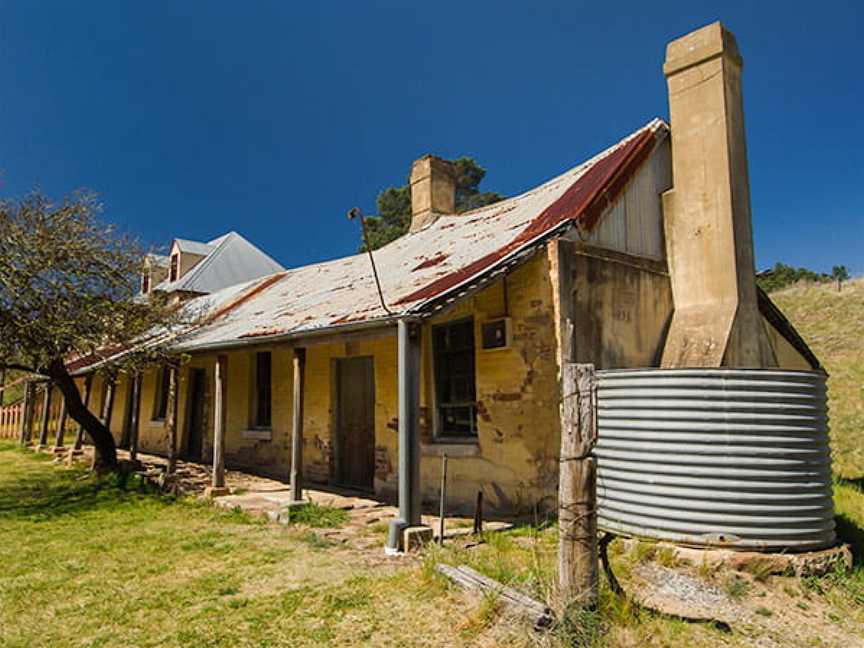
(440, 435)
(161, 393)
(174, 267)
(256, 422)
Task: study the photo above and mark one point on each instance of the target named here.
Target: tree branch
(17, 367)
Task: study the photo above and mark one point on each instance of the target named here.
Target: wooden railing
(10, 420)
(12, 415)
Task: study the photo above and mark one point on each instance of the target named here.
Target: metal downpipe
(408, 335)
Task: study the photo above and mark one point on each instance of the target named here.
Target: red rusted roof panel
(584, 202)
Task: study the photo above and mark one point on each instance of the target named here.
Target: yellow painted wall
(319, 406)
(151, 433)
(514, 460)
(118, 413)
(265, 455)
(516, 465)
(97, 396)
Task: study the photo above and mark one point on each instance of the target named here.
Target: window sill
(257, 435)
(452, 448)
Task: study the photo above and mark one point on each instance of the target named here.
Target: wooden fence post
(577, 492)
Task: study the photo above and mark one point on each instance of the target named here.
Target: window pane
(162, 394)
(262, 387)
(455, 389)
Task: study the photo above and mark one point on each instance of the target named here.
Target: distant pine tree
(839, 273)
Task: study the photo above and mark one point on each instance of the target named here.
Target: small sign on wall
(496, 333)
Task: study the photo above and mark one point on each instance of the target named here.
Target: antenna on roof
(353, 213)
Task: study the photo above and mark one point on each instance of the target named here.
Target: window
(175, 267)
(262, 401)
(145, 283)
(103, 399)
(455, 391)
(160, 405)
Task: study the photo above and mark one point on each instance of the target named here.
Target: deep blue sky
(274, 118)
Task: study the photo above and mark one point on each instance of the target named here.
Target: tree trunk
(103, 441)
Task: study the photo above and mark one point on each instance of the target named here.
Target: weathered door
(197, 420)
(356, 422)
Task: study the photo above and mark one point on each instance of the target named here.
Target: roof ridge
(198, 268)
(653, 124)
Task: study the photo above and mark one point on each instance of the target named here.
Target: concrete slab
(415, 538)
(808, 563)
(216, 491)
(269, 497)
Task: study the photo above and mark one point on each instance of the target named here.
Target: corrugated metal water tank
(737, 458)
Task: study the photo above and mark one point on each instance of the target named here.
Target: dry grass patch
(832, 323)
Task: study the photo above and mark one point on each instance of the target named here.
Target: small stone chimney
(433, 191)
(709, 236)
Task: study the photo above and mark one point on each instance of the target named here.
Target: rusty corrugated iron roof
(424, 266)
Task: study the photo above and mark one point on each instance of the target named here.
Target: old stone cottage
(641, 256)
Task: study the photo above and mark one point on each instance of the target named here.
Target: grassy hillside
(832, 323)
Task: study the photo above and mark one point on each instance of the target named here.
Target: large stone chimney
(709, 235)
(433, 191)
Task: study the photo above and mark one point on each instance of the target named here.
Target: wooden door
(356, 422)
(197, 419)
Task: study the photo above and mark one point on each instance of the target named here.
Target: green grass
(316, 516)
(86, 563)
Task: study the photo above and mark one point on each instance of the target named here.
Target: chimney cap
(424, 166)
(711, 41)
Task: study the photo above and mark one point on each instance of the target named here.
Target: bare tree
(68, 290)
